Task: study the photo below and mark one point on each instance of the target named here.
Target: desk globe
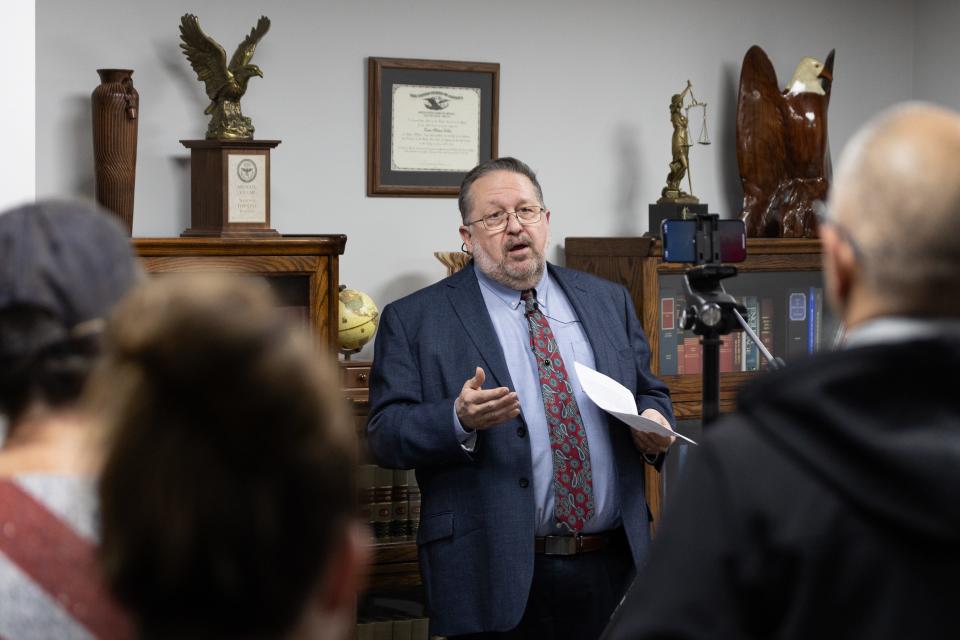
(358, 321)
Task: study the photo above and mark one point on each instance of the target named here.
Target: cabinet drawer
(355, 377)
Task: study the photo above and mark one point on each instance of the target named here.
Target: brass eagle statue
(783, 151)
(225, 83)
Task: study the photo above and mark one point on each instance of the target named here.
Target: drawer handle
(362, 377)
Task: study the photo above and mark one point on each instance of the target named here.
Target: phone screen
(680, 241)
(733, 241)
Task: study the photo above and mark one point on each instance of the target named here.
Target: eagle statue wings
(225, 83)
(782, 148)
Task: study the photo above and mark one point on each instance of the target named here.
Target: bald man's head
(897, 194)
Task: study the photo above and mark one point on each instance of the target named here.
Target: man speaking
(533, 508)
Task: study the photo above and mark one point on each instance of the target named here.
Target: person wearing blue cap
(63, 266)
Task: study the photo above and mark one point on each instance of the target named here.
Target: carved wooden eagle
(225, 83)
(782, 148)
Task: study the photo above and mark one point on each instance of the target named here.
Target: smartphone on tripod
(682, 242)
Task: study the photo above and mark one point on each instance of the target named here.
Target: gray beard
(500, 271)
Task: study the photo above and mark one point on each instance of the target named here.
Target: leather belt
(570, 545)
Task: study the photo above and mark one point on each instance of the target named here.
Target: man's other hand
(652, 443)
(479, 409)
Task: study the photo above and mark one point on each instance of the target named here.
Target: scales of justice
(674, 202)
(680, 105)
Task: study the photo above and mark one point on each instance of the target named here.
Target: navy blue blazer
(477, 514)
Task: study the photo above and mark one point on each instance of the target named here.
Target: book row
(797, 330)
(403, 629)
(390, 502)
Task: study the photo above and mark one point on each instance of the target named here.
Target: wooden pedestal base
(230, 188)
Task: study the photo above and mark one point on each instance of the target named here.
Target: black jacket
(828, 505)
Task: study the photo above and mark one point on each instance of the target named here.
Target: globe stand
(348, 353)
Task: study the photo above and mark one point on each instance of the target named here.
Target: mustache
(516, 242)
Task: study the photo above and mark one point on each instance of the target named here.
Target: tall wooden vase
(115, 113)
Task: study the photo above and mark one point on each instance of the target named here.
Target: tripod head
(710, 309)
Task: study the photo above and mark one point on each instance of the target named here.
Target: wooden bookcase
(302, 270)
(773, 268)
(394, 563)
(394, 598)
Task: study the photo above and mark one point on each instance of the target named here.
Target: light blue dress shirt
(506, 312)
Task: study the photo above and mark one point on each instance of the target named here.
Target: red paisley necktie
(572, 476)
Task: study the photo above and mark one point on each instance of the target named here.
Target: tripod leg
(711, 378)
(775, 363)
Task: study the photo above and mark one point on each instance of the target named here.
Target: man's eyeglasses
(822, 213)
(498, 220)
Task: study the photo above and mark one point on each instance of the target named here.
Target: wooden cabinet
(355, 380)
(395, 562)
(394, 598)
(302, 270)
(783, 276)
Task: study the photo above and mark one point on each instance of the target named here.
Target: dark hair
(230, 472)
(496, 164)
(40, 360)
(63, 266)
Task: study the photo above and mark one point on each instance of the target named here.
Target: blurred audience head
(890, 241)
(63, 266)
(228, 492)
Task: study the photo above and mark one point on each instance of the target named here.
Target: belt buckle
(561, 545)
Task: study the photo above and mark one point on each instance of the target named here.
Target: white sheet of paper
(616, 399)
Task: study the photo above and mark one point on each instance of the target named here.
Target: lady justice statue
(680, 147)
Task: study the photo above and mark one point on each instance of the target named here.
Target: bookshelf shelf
(394, 566)
(774, 268)
(395, 552)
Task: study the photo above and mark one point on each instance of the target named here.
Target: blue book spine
(796, 342)
(751, 355)
(818, 319)
(811, 325)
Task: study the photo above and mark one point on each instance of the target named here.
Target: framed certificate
(429, 122)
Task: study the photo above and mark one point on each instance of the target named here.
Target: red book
(365, 484)
(382, 507)
(766, 329)
(726, 352)
(692, 362)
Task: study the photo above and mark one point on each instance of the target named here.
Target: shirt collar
(899, 329)
(511, 297)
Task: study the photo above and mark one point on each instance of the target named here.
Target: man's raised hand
(479, 408)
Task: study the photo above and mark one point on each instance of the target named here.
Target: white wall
(584, 95)
(936, 72)
(18, 168)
